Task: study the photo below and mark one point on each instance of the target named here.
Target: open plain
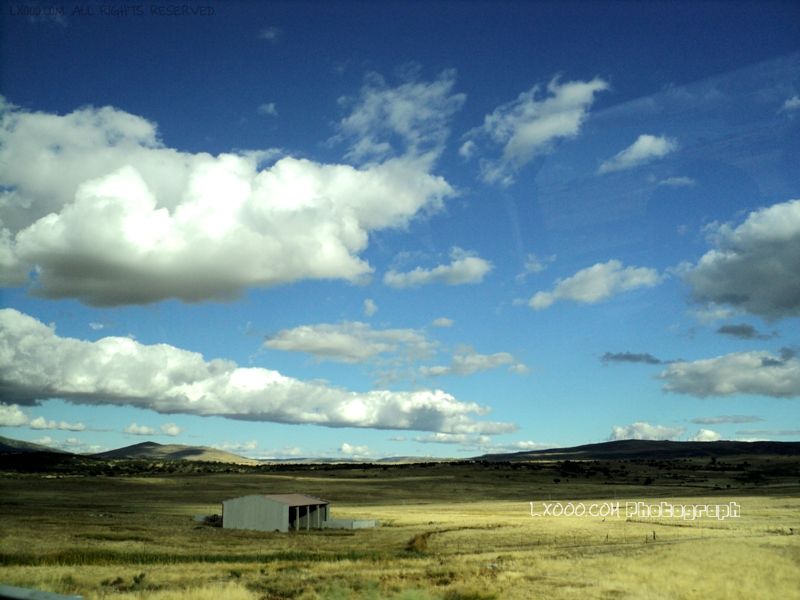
(460, 530)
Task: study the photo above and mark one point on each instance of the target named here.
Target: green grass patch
(100, 556)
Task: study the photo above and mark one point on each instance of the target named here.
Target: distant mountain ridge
(155, 451)
(651, 449)
(11, 446)
(615, 450)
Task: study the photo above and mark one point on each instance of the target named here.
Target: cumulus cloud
(724, 419)
(248, 446)
(42, 423)
(171, 429)
(268, 109)
(71, 444)
(410, 119)
(645, 149)
(353, 450)
(758, 372)
(135, 429)
(597, 283)
(467, 149)
(465, 267)
(641, 430)
(791, 104)
(350, 341)
(370, 308)
(705, 435)
(530, 125)
(97, 208)
(466, 362)
(443, 322)
(453, 438)
(754, 267)
(481, 443)
(36, 364)
(11, 415)
(631, 357)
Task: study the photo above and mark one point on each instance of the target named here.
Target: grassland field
(450, 531)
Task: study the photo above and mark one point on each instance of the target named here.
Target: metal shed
(275, 512)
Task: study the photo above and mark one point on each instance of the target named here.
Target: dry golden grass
(444, 536)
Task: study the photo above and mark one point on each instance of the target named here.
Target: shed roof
(295, 499)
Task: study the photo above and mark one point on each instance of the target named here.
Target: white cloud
(410, 119)
(754, 267)
(12, 416)
(268, 109)
(531, 124)
(678, 182)
(290, 451)
(350, 341)
(479, 443)
(354, 451)
(71, 444)
(171, 429)
(42, 423)
(467, 149)
(135, 429)
(705, 435)
(792, 103)
(271, 34)
(248, 446)
(370, 308)
(443, 322)
(534, 264)
(597, 283)
(96, 326)
(465, 267)
(711, 313)
(36, 364)
(645, 149)
(466, 362)
(645, 431)
(453, 438)
(756, 372)
(525, 445)
(107, 214)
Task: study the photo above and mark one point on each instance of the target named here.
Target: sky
(379, 229)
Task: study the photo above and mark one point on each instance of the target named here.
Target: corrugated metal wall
(255, 512)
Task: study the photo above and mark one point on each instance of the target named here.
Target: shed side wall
(256, 513)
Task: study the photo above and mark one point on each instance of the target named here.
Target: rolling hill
(651, 449)
(155, 451)
(10, 446)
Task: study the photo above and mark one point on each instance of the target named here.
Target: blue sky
(364, 230)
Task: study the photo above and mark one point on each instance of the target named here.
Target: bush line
(112, 557)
